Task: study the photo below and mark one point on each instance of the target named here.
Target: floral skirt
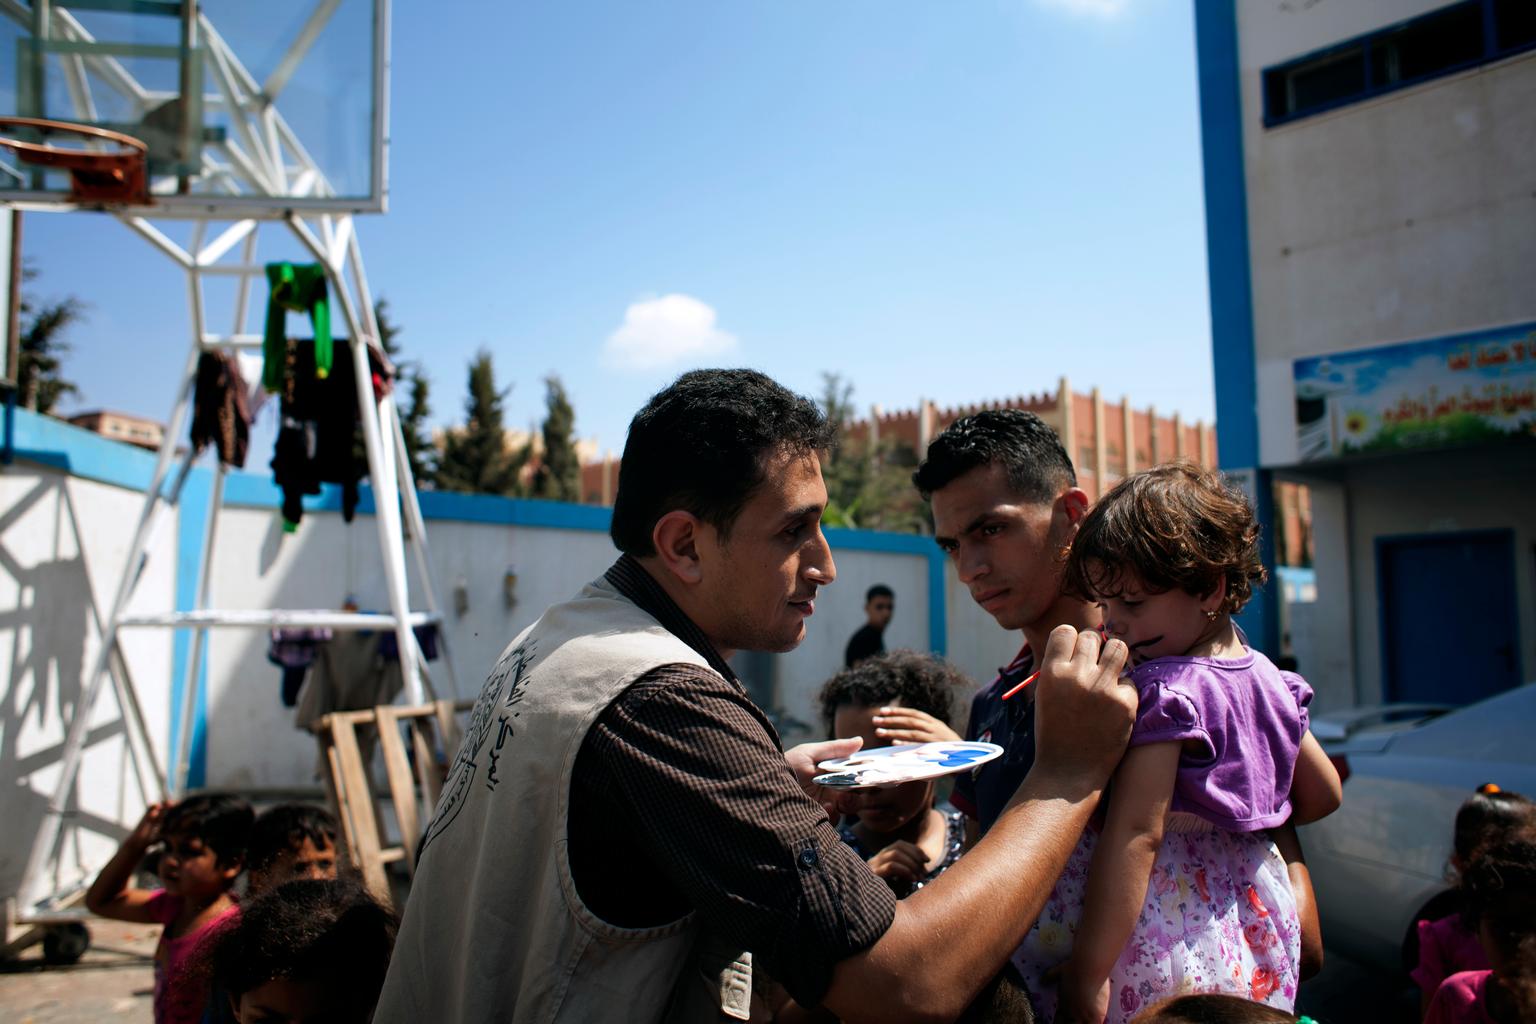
(1219, 917)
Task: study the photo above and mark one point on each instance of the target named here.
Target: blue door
(1448, 616)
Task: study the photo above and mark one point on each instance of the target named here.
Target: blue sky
(954, 200)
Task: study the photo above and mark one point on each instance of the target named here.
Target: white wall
(62, 544)
(801, 673)
(1405, 217)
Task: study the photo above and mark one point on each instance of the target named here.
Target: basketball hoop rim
(54, 156)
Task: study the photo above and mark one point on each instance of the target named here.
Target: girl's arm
(1316, 791)
(1306, 902)
(110, 895)
(1118, 877)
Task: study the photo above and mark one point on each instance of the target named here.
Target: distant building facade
(121, 426)
(1107, 440)
(1370, 190)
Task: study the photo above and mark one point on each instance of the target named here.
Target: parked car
(1380, 862)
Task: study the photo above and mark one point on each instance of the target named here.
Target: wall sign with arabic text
(1470, 389)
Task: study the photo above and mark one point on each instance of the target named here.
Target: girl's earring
(1210, 613)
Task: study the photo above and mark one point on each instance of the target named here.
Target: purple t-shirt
(1247, 715)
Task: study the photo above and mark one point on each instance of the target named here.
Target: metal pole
(416, 525)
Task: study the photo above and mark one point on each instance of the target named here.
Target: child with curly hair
(1500, 892)
(306, 952)
(1182, 890)
(903, 837)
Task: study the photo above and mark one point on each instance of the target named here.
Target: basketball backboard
(247, 109)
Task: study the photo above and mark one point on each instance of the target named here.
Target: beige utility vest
(494, 929)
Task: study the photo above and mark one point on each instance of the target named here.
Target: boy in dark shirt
(869, 639)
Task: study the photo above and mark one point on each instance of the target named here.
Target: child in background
(307, 952)
(1500, 891)
(1448, 946)
(1184, 890)
(904, 838)
(290, 842)
(204, 840)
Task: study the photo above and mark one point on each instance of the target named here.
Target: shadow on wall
(47, 629)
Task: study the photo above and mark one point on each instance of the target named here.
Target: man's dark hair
(1022, 443)
(879, 590)
(223, 823)
(701, 445)
(285, 827)
(922, 681)
(327, 933)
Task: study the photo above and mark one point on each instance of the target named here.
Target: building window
(1442, 42)
(1514, 24)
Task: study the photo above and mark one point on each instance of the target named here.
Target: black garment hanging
(318, 439)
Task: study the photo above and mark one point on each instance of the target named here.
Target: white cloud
(669, 329)
(1105, 9)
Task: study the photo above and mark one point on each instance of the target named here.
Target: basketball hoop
(95, 176)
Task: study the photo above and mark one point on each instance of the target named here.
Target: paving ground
(113, 981)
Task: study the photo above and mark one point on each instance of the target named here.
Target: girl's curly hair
(920, 681)
(1173, 527)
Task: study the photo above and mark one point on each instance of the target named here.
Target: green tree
(416, 386)
(846, 466)
(559, 473)
(869, 485)
(476, 457)
(40, 380)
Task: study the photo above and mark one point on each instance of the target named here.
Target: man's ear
(676, 537)
(1074, 504)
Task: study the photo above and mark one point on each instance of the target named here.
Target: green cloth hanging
(299, 287)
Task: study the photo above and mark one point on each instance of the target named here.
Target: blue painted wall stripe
(191, 521)
(1233, 354)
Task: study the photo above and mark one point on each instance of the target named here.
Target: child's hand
(901, 860)
(147, 831)
(909, 725)
(1080, 1000)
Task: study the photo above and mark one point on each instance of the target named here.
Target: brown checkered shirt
(681, 801)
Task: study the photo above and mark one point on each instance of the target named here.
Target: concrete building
(121, 426)
(1106, 439)
(1370, 181)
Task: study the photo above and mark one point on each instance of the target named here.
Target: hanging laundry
(294, 650)
(221, 413)
(426, 639)
(317, 439)
(301, 288)
(349, 674)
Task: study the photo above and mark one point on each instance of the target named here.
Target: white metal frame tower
(261, 178)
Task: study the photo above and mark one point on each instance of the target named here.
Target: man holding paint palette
(622, 837)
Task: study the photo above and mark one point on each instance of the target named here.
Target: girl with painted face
(898, 831)
(1182, 888)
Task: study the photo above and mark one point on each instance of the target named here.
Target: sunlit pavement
(114, 980)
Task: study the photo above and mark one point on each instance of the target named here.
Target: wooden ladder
(352, 790)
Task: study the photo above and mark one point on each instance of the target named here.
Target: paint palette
(908, 762)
